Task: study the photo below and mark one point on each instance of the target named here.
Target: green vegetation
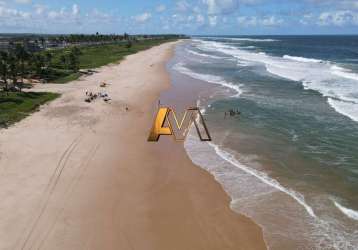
(15, 106)
(61, 64)
(67, 78)
(90, 57)
(94, 57)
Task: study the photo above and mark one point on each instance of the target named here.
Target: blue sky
(216, 17)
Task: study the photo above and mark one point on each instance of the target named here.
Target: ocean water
(290, 160)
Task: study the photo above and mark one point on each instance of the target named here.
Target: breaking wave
(180, 67)
(350, 213)
(336, 83)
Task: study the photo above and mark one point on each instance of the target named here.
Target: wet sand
(83, 176)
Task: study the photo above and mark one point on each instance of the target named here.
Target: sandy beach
(79, 175)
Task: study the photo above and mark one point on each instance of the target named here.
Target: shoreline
(267, 158)
(87, 178)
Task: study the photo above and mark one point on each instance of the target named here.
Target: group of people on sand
(90, 96)
(233, 112)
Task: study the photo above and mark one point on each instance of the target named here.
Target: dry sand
(82, 176)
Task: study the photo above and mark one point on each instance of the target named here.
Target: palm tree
(43, 42)
(63, 60)
(77, 51)
(22, 56)
(48, 57)
(39, 63)
(13, 68)
(4, 68)
(129, 44)
(74, 61)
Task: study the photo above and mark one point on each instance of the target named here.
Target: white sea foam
(264, 178)
(347, 211)
(241, 39)
(302, 59)
(253, 194)
(346, 108)
(328, 79)
(204, 55)
(248, 47)
(244, 63)
(346, 73)
(254, 40)
(180, 67)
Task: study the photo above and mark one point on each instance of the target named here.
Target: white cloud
(247, 21)
(75, 10)
(196, 9)
(96, 14)
(41, 18)
(39, 9)
(338, 18)
(337, 4)
(182, 5)
(351, 4)
(306, 19)
(57, 14)
(179, 18)
(63, 15)
(143, 17)
(221, 6)
(23, 1)
(13, 13)
(213, 21)
(200, 19)
(271, 21)
(250, 1)
(268, 21)
(161, 8)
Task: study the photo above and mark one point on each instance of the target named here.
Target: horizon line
(201, 35)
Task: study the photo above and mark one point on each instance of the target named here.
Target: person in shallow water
(232, 112)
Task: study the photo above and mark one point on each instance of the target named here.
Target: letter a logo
(191, 116)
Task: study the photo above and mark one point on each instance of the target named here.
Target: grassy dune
(15, 106)
(97, 56)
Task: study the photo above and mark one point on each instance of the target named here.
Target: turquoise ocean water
(290, 160)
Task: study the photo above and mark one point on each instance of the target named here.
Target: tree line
(17, 64)
(44, 40)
